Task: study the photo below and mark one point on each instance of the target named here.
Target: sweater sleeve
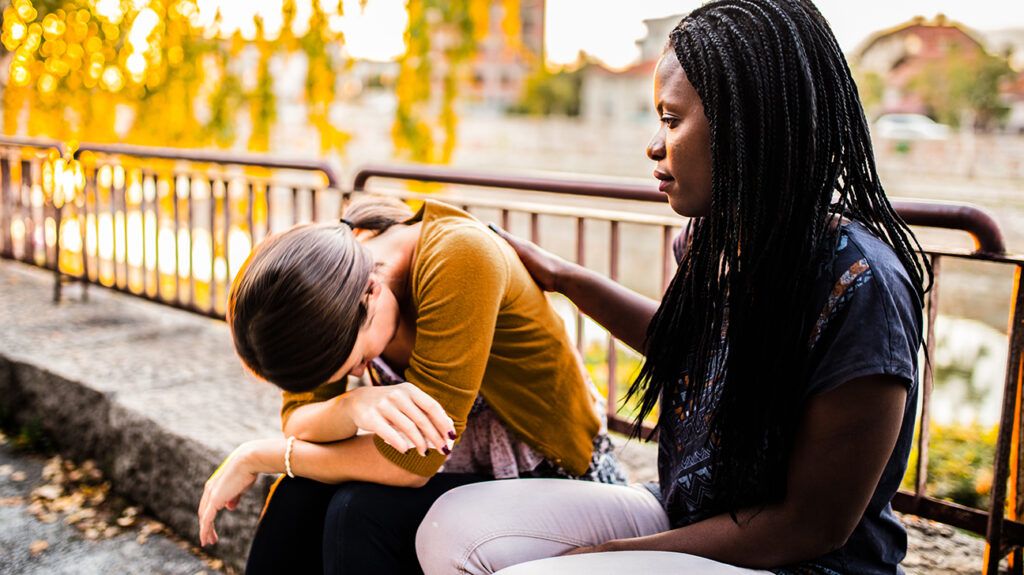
(458, 286)
(290, 401)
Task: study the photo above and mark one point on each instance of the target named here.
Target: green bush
(960, 459)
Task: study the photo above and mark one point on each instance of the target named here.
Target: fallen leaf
(50, 492)
(47, 517)
(52, 470)
(92, 534)
(11, 501)
(111, 531)
(37, 547)
(5, 470)
(80, 515)
(19, 476)
(126, 521)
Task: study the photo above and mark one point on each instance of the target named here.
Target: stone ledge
(155, 395)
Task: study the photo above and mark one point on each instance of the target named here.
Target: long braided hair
(791, 155)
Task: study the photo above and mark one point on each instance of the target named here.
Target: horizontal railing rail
(174, 226)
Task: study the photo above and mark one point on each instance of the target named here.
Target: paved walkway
(37, 540)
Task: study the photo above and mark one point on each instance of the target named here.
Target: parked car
(909, 127)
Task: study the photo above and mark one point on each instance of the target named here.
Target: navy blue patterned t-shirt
(868, 323)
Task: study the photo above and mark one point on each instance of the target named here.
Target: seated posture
(491, 386)
(783, 356)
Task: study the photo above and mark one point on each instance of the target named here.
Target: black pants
(347, 529)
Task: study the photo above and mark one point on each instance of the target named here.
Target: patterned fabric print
(688, 441)
(488, 447)
(859, 274)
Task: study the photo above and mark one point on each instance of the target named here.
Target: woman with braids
(783, 356)
(490, 385)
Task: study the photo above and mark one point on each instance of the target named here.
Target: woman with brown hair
(491, 386)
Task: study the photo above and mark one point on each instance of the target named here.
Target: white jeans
(492, 526)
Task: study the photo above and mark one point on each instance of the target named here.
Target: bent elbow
(829, 537)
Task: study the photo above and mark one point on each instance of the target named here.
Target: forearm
(321, 422)
(622, 311)
(770, 537)
(355, 459)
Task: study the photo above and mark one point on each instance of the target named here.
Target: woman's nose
(656, 147)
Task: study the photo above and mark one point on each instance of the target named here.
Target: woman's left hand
(223, 490)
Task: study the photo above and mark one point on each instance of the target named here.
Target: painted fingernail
(451, 435)
(446, 450)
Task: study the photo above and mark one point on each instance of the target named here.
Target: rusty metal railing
(167, 225)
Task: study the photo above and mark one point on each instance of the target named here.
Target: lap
(371, 528)
(486, 527)
(647, 562)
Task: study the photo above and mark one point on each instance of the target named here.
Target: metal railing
(196, 215)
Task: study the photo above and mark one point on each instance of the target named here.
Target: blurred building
(502, 66)
(897, 55)
(1012, 93)
(619, 96)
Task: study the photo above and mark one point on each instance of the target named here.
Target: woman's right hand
(402, 415)
(545, 267)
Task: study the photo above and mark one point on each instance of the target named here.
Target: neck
(393, 252)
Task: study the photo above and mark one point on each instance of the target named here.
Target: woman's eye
(669, 121)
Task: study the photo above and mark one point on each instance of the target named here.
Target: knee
(442, 540)
(347, 512)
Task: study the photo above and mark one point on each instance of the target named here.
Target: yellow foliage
(77, 64)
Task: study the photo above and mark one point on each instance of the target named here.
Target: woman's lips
(664, 178)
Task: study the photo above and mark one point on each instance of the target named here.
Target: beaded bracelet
(288, 457)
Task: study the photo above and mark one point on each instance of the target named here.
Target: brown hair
(299, 302)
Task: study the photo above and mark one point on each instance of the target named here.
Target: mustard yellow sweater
(484, 327)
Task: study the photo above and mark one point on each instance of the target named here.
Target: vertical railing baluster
(314, 210)
(535, 227)
(1015, 365)
(142, 228)
(249, 219)
(226, 243)
(177, 234)
(189, 198)
(267, 193)
(124, 229)
(6, 220)
(668, 259)
(1011, 390)
(93, 182)
(504, 219)
(212, 287)
(581, 254)
(28, 252)
(83, 227)
(924, 433)
(112, 204)
(156, 237)
(295, 206)
(613, 359)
